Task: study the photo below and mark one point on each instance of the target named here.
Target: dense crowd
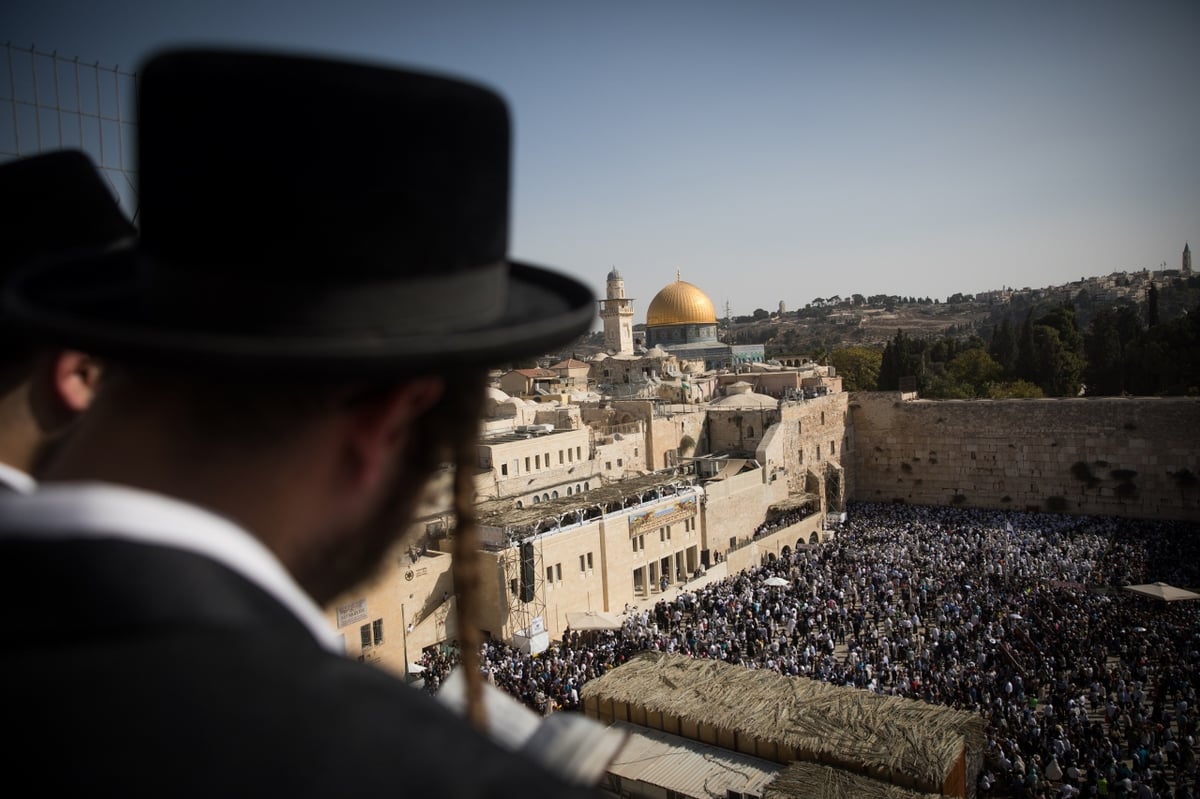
(1086, 689)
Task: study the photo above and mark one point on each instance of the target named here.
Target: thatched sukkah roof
(902, 741)
(814, 781)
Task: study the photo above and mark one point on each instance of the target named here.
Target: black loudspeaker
(527, 574)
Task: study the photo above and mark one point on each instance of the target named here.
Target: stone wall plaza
(1136, 457)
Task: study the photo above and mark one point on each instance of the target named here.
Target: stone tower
(617, 313)
(1187, 259)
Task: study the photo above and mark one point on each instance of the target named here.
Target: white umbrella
(777, 582)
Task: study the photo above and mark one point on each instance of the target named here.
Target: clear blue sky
(780, 150)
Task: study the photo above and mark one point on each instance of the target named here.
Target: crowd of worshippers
(1086, 689)
(781, 521)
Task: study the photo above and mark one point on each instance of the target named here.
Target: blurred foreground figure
(50, 204)
(299, 339)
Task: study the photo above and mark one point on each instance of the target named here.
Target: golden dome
(681, 304)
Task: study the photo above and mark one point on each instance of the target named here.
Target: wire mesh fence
(50, 102)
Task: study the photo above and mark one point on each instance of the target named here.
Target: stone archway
(786, 552)
(815, 538)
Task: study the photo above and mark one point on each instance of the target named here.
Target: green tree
(944, 386)
(1059, 369)
(1025, 366)
(858, 367)
(1016, 389)
(1106, 346)
(1003, 347)
(902, 357)
(975, 371)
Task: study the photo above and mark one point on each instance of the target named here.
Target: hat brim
(99, 305)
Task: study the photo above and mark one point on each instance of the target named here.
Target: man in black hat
(50, 204)
(298, 340)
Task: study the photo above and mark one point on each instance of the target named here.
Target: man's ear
(379, 425)
(76, 376)
(61, 387)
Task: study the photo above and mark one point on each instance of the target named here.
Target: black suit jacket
(137, 670)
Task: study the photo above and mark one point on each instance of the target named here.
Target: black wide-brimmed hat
(311, 214)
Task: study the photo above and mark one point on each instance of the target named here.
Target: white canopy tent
(592, 620)
(1163, 591)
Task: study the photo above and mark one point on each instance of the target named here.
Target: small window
(558, 572)
(608, 465)
(547, 460)
(822, 417)
(832, 449)
(377, 631)
(537, 461)
(582, 563)
(579, 453)
(560, 457)
(365, 632)
(750, 431)
(528, 464)
(620, 463)
(504, 470)
(549, 574)
(662, 534)
(589, 561)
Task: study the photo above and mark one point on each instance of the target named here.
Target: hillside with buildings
(826, 324)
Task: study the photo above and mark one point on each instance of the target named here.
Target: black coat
(130, 669)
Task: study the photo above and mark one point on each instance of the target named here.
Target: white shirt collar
(104, 510)
(16, 479)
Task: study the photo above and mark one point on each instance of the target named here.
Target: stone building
(616, 312)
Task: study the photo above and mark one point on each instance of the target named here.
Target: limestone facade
(1117, 456)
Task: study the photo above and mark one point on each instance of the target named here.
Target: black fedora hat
(315, 214)
(54, 203)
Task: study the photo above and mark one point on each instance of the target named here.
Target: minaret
(1187, 259)
(617, 313)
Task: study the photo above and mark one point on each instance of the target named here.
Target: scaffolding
(526, 617)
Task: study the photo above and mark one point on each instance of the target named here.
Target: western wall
(1136, 457)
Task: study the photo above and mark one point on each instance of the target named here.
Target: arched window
(536, 499)
(554, 494)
